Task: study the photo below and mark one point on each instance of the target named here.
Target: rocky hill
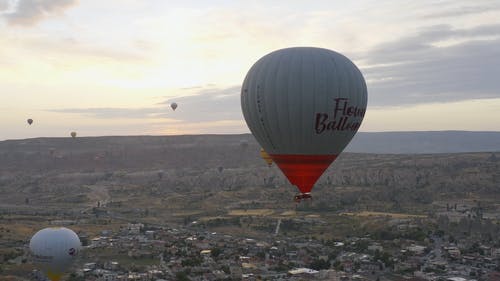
(425, 142)
(213, 173)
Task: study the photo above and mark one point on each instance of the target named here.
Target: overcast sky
(113, 67)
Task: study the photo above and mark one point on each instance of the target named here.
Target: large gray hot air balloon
(53, 250)
(303, 105)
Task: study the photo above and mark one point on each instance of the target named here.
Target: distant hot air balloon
(30, 121)
(173, 105)
(303, 105)
(73, 134)
(244, 144)
(266, 157)
(160, 174)
(53, 250)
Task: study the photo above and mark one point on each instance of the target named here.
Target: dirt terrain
(211, 175)
(220, 183)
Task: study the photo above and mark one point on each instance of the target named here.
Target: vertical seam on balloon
(305, 67)
(330, 84)
(294, 55)
(249, 97)
(338, 88)
(262, 109)
(254, 98)
(300, 54)
(363, 88)
(362, 93)
(316, 90)
(288, 90)
(251, 100)
(277, 97)
(353, 92)
(243, 97)
(349, 93)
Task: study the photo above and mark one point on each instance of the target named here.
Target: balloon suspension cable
(302, 196)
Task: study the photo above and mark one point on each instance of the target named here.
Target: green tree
(74, 277)
(191, 262)
(319, 264)
(216, 252)
(226, 269)
(182, 276)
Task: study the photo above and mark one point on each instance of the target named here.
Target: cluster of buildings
(175, 253)
(192, 253)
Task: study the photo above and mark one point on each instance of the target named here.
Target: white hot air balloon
(303, 105)
(53, 250)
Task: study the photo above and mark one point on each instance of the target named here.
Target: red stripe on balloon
(303, 170)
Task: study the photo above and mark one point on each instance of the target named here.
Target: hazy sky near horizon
(113, 67)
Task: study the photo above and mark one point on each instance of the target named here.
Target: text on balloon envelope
(345, 117)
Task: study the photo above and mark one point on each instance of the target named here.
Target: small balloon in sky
(173, 106)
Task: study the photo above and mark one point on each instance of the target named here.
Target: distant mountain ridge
(424, 142)
(421, 142)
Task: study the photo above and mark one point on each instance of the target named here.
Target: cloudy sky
(113, 67)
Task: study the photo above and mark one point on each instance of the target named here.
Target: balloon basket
(302, 196)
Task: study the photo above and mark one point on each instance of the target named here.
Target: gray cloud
(204, 106)
(111, 113)
(410, 70)
(463, 9)
(4, 5)
(30, 12)
(417, 70)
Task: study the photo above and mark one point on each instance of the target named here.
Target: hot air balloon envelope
(173, 105)
(303, 105)
(30, 121)
(54, 249)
